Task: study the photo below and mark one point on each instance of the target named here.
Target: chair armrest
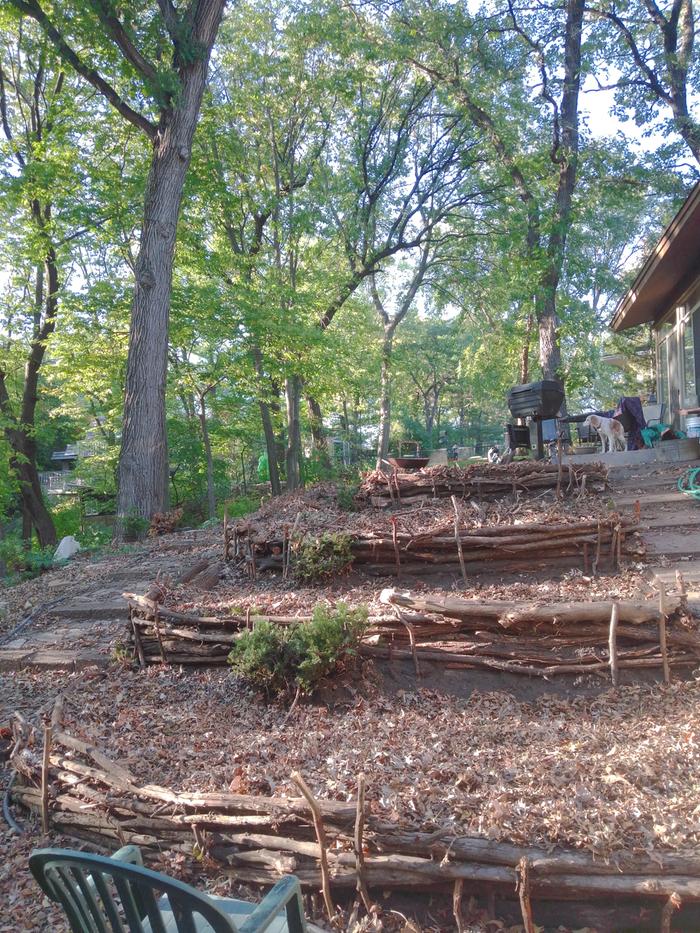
(286, 891)
(130, 854)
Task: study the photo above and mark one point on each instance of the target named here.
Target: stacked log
(480, 481)
(519, 638)
(81, 792)
(536, 640)
(588, 543)
(455, 547)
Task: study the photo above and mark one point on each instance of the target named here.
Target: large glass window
(662, 371)
(689, 375)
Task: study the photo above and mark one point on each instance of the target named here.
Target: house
(666, 295)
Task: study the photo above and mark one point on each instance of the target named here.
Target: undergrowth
(281, 660)
(322, 557)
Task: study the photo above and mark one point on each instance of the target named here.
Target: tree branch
(32, 9)
(123, 41)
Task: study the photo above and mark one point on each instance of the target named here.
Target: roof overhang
(668, 271)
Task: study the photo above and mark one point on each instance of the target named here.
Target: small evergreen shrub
(322, 557)
(281, 660)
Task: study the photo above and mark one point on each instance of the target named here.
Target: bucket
(692, 425)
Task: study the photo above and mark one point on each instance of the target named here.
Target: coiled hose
(689, 483)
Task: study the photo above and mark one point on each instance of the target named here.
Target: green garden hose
(689, 483)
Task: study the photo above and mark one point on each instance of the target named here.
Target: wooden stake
(321, 839)
(358, 844)
(560, 467)
(137, 640)
(45, 776)
(682, 592)
(524, 895)
(663, 616)
(612, 644)
(673, 903)
(459, 540)
(226, 540)
(457, 905)
(396, 546)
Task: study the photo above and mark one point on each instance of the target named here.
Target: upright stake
(396, 546)
(358, 843)
(524, 895)
(226, 540)
(321, 839)
(663, 615)
(45, 776)
(457, 905)
(459, 540)
(612, 644)
(673, 903)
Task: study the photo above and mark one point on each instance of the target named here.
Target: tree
(535, 145)
(654, 50)
(132, 45)
(36, 128)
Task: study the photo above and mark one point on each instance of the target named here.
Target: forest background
(388, 215)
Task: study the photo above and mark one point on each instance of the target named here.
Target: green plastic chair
(119, 895)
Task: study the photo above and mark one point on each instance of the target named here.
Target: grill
(540, 402)
(536, 400)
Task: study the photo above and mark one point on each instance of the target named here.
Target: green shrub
(346, 496)
(323, 557)
(280, 660)
(243, 505)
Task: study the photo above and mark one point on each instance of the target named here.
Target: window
(689, 375)
(662, 372)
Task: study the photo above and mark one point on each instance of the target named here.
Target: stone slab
(13, 659)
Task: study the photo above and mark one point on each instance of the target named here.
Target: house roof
(668, 271)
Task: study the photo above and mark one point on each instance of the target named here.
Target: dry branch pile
(528, 638)
(480, 481)
(79, 790)
(446, 539)
(538, 640)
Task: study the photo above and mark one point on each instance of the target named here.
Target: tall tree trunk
(385, 399)
(550, 351)
(211, 492)
(19, 431)
(292, 393)
(143, 461)
(318, 433)
(525, 352)
(268, 429)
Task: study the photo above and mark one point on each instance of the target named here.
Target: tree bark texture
(268, 428)
(385, 399)
(211, 491)
(292, 393)
(566, 153)
(143, 462)
(318, 434)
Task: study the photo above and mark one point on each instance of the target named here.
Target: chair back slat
(108, 903)
(63, 881)
(124, 886)
(85, 893)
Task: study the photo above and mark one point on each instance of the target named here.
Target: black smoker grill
(540, 402)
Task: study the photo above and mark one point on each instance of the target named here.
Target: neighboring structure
(666, 294)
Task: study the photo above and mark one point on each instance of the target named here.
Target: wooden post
(663, 616)
(459, 540)
(524, 895)
(673, 903)
(560, 468)
(45, 776)
(396, 546)
(682, 592)
(612, 644)
(226, 541)
(457, 905)
(321, 839)
(137, 640)
(358, 844)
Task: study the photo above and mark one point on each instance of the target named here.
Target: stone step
(652, 499)
(674, 518)
(51, 659)
(672, 543)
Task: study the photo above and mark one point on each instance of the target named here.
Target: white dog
(608, 429)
